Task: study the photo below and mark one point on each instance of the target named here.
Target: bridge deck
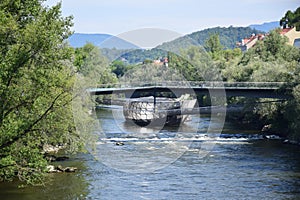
(255, 90)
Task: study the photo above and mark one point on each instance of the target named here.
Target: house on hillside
(248, 43)
(291, 33)
(161, 62)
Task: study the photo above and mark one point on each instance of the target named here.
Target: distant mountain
(101, 40)
(228, 37)
(80, 39)
(266, 27)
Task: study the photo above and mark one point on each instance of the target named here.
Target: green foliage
(273, 48)
(194, 64)
(183, 66)
(217, 52)
(213, 45)
(270, 60)
(228, 37)
(140, 55)
(239, 73)
(275, 71)
(291, 19)
(229, 54)
(118, 67)
(292, 114)
(92, 64)
(133, 56)
(36, 84)
(292, 110)
(92, 70)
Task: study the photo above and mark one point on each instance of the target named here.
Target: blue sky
(182, 16)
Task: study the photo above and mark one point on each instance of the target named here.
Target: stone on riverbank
(59, 168)
(47, 148)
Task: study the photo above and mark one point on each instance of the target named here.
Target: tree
(291, 19)
(36, 83)
(230, 54)
(274, 43)
(214, 46)
(119, 67)
(194, 64)
(93, 65)
(183, 66)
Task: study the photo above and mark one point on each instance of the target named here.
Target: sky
(182, 16)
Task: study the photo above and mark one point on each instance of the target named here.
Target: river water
(237, 164)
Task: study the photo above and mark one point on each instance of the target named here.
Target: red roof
(247, 40)
(285, 30)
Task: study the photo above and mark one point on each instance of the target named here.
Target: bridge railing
(146, 84)
(244, 84)
(193, 84)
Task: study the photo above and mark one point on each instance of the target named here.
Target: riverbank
(253, 122)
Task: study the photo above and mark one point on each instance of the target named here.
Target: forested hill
(228, 37)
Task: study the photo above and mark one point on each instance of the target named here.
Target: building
(291, 33)
(161, 61)
(248, 43)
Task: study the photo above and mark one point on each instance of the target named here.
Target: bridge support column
(154, 99)
(200, 99)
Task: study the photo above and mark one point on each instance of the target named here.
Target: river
(237, 164)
